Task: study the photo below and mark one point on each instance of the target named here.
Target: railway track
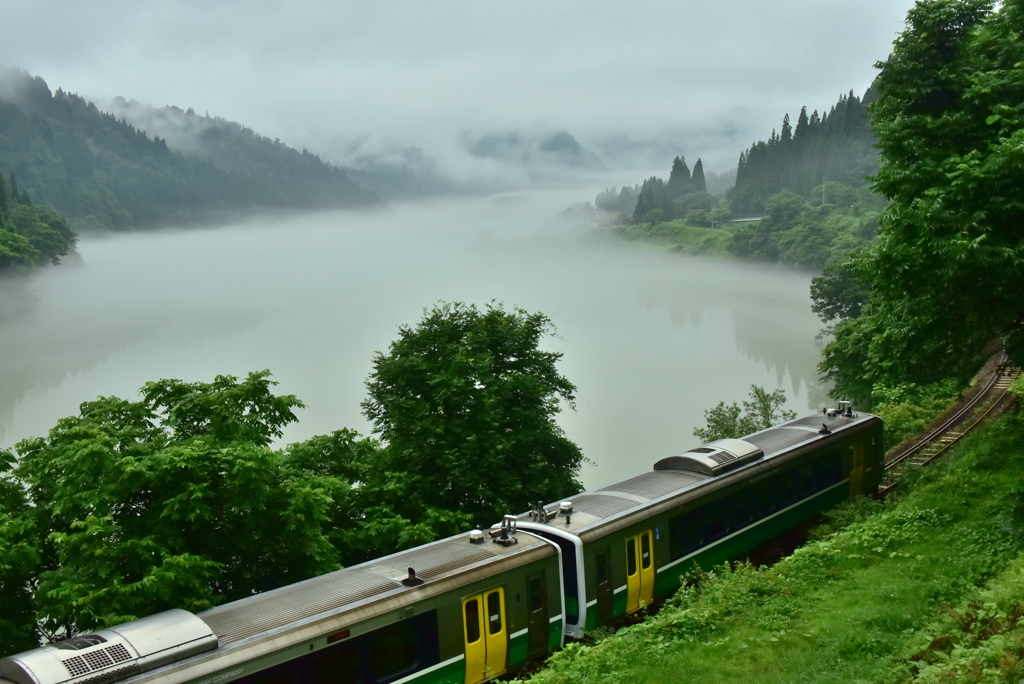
(991, 400)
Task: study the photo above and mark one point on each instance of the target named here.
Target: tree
(3, 197)
(465, 402)
(947, 276)
(697, 181)
(763, 411)
(838, 293)
(47, 231)
(176, 500)
(679, 179)
(19, 563)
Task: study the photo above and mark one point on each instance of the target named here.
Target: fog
(361, 82)
(650, 339)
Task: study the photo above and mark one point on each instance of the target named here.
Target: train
(482, 604)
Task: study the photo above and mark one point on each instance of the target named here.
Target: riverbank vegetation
(30, 235)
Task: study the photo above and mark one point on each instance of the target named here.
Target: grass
(925, 587)
(680, 237)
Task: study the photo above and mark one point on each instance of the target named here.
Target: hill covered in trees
(808, 185)
(107, 174)
(836, 146)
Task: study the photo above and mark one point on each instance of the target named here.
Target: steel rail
(952, 420)
(944, 433)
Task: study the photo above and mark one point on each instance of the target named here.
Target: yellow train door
(639, 570)
(496, 635)
(646, 567)
(857, 469)
(485, 635)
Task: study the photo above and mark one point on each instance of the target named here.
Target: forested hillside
(30, 236)
(106, 174)
(837, 146)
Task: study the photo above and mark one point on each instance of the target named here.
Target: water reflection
(651, 340)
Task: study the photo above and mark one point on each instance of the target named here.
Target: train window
(785, 489)
(393, 651)
(804, 481)
(535, 595)
(645, 551)
(741, 510)
(685, 535)
(828, 470)
(279, 675)
(472, 621)
(494, 612)
(604, 568)
(717, 520)
(762, 496)
(336, 666)
(631, 556)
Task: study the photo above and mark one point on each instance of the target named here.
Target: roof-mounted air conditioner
(109, 655)
(714, 458)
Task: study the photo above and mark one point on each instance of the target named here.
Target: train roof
(704, 466)
(294, 614)
(351, 587)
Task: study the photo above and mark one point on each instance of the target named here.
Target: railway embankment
(924, 586)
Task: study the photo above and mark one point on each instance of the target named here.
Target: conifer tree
(679, 178)
(697, 180)
(802, 125)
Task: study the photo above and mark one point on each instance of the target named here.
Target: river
(650, 339)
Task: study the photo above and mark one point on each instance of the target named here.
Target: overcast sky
(701, 77)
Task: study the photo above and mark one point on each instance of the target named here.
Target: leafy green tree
(19, 563)
(16, 251)
(465, 402)
(838, 293)
(176, 500)
(948, 273)
(47, 231)
(698, 217)
(762, 411)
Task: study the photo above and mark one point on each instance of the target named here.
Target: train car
(457, 611)
(629, 543)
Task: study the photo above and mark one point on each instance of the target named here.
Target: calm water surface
(651, 340)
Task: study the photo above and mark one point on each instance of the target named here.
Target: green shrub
(909, 408)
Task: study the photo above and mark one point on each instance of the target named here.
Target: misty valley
(650, 339)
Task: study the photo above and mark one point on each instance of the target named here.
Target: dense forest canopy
(837, 146)
(106, 174)
(947, 275)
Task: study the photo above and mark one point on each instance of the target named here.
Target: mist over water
(651, 340)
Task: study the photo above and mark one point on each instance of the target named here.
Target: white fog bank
(651, 340)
